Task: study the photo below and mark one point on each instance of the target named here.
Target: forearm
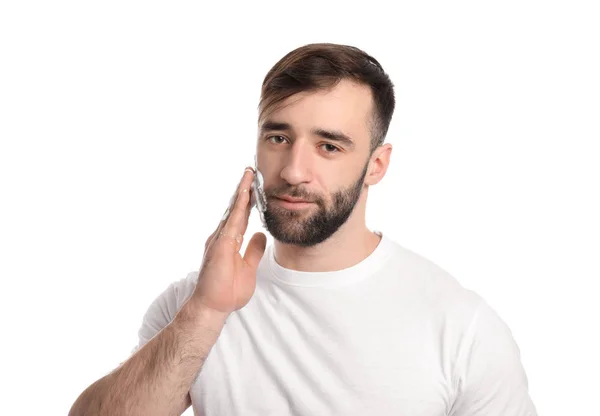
(157, 378)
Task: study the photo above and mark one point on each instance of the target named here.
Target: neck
(348, 246)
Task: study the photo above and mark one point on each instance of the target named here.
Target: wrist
(199, 315)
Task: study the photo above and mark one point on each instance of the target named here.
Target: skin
(331, 233)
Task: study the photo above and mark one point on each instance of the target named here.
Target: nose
(297, 165)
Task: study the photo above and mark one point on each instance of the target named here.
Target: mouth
(292, 203)
(292, 199)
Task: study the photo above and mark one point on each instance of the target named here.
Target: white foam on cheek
(259, 198)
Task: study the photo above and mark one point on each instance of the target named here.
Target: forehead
(346, 107)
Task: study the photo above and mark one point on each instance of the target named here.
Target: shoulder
(165, 306)
(435, 286)
(445, 305)
(175, 295)
(487, 374)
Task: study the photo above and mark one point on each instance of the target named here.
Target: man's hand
(227, 280)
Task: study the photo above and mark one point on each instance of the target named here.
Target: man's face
(299, 158)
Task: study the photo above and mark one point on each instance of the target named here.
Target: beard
(305, 228)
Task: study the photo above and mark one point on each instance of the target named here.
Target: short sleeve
(490, 377)
(164, 308)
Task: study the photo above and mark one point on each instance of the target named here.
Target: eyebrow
(333, 135)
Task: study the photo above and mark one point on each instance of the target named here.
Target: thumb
(255, 250)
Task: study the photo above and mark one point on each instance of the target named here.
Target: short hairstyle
(321, 66)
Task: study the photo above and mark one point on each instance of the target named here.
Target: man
(332, 319)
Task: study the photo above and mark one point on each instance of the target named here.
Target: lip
(292, 199)
(298, 204)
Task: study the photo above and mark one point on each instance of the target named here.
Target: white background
(125, 127)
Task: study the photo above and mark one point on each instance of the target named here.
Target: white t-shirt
(392, 335)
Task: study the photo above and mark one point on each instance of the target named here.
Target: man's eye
(331, 148)
(275, 137)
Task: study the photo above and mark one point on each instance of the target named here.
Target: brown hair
(320, 66)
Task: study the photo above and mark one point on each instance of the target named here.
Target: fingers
(246, 215)
(209, 240)
(235, 220)
(255, 250)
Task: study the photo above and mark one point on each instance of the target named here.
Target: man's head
(323, 116)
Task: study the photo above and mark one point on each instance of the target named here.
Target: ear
(378, 164)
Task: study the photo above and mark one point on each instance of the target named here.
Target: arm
(157, 378)
(490, 377)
